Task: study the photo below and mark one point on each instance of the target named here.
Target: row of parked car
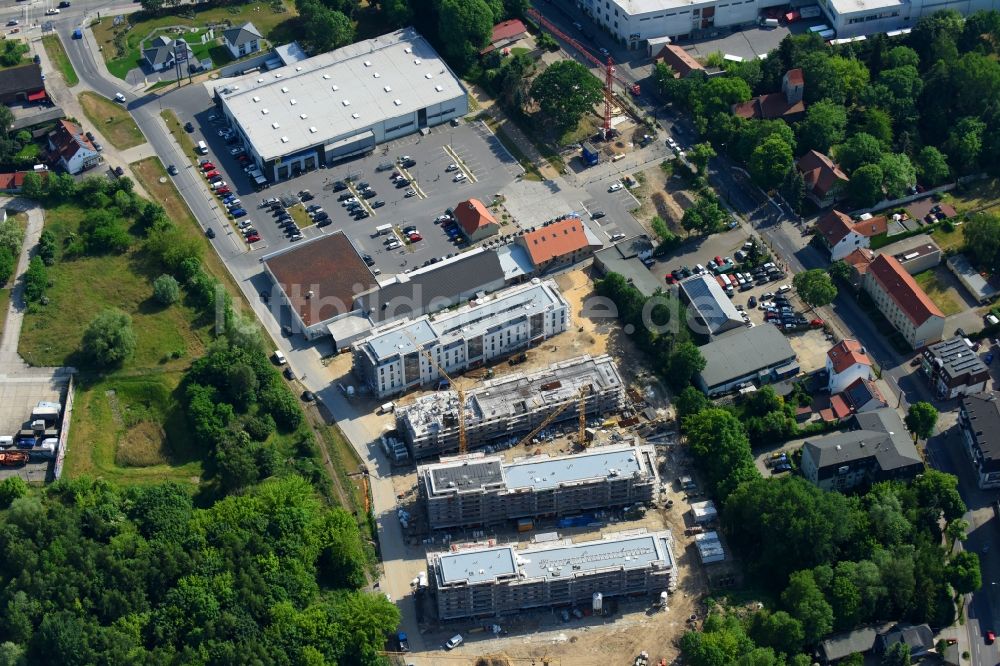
(283, 218)
(778, 310)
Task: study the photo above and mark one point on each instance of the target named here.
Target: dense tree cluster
(91, 573)
(658, 326)
(11, 237)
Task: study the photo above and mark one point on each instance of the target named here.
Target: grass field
(113, 121)
(57, 54)
(4, 302)
(939, 292)
(182, 138)
(266, 20)
(948, 240)
(299, 215)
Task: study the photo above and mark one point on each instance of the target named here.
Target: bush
(279, 402)
(12, 488)
(36, 281)
(260, 427)
(7, 265)
(47, 247)
(166, 290)
(109, 339)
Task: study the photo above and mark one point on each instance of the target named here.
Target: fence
(64, 431)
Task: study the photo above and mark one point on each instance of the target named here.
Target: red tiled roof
(68, 138)
(678, 60)
(504, 33)
(860, 259)
(820, 173)
(795, 77)
(903, 289)
(839, 406)
(555, 240)
(769, 107)
(835, 226)
(846, 353)
(852, 392)
(15, 180)
(472, 215)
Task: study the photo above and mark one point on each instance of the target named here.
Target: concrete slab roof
(743, 352)
(542, 472)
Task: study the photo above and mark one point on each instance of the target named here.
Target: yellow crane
(581, 407)
(463, 445)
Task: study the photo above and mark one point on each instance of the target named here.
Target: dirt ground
(663, 196)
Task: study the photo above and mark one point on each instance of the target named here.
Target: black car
(409, 163)
(360, 215)
(119, 171)
(289, 373)
(307, 396)
(322, 218)
(90, 136)
(400, 184)
(345, 196)
(313, 208)
(64, 4)
(369, 194)
(189, 127)
(378, 204)
(306, 195)
(597, 214)
(368, 259)
(210, 232)
(324, 222)
(340, 186)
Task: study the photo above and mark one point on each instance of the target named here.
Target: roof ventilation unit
(416, 61)
(355, 115)
(326, 76)
(368, 63)
(335, 88)
(303, 116)
(388, 88)
(264, 112)
(346, 102)
(438, 88)
(397, 102)
(284, 89)
(293, 101)
(428, 76)
(256, 99)
(376, 75)
(313, 130)
(275, 125)
(284, 139)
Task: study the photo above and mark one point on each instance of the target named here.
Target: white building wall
(841, 380)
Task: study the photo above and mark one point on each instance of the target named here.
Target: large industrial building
(498, 580)
(511, 406)
(340, 104)
(475, 490)
(647, 23)
(757, 356)
(394, 358)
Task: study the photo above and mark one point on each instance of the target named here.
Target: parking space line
(361, 200)
(461, 164)
(413, 181)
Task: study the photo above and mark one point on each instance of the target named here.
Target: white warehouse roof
(339, 93)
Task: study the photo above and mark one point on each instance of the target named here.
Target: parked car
(235, 151)
(172, 170)
(615, 187)
(206, 165)
(189, 127)
(253, 238)
(306, 195)
(377, 204)
(451, 167)
(410, 193)
(597, 214)
(238, 212)
(459, 177)
(120, 98)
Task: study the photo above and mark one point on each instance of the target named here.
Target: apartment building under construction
(497, 580)
(511, 406)
(474, 490)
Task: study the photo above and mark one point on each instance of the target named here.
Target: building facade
(502, 580)
(953, 368)
(243, 41)
(561, 243)
(341, 104)
(475, 490)
(846, 362)
(395, 359)
(71, 149)
(979, 420)
(898, 296)
(507, 408)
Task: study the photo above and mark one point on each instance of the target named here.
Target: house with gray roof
(627, 257)
(713, 311)
(877, 447)
(979, 420)
(161, 52)
(757, 356)
(243, 40)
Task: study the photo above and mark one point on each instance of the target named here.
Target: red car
(253, 239)
(816, 323)
(223, 191)
(990, 637)
(669, 278)
(414, 237)
(207, 166)
(719, 261)
(211, 174)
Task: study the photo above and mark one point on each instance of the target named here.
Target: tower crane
(463, 446)
(609, 68)
(581, 407)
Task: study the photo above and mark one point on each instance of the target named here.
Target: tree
(109, 339)
(963, 572)
(770, 161)
(777, 630)
(705, 216)
(840, 271)
(932, 166)
(859, 150)
(166, 290)
(965, 143)
(690, 401)
(921, 418)
(719, 444)
(793, 188)
(700, 154)
(565, 91)
(32, 187)
(898, 174)
(36, 281)
(815, 287)
(325, 29)
(11, 235)
(7, 265)
(806, 602)
(981, 233)
(865, 187)
(685, 362)
(717, 95)
(466, 26)
(878, 124)
(11, 489)
(897, 654)
(823, 126)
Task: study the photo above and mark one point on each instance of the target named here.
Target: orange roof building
(824, 180)
(565, 241)
(787, 104)
(846, 362)
(907, 307)
(475, 220)
(843, 235)
(678, 60)
(505, 34)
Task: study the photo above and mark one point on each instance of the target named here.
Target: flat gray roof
(711, 303)
(955, 358)
(743, 353)
(537, 472)
(337, 94)
(971, 278)
(466, 322)
(637, 551)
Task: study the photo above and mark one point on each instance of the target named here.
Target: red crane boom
(609, 66)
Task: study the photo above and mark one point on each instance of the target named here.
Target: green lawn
(4, 302)
(261, 15)
(182, 138)
(939, 292)
(112, 119)
(57, 54)
(948, 240)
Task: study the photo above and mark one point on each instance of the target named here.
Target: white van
(279, 358)
(827, 34)
(784, 288)
(454, 642)
(6, 441)
(383, 229)
(202, 148)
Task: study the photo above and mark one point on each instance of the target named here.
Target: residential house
(475, 220)
(846, 362)
(862, 395)
(876, 448)
(243, 40)
(12, 182)
(22, 84)
(898, 296)
(505, 34)
(979, 420)
(918, 637)
(843, 235)
(561, 243)
(875, 640)
(161, 53)
(825, 182)
(680, 61)
(71, 149)
(953, 368)
(859, 260)
(787, 105)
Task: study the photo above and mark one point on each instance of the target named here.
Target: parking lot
(18, 396)
(485, 168)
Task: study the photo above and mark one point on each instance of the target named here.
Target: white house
(243, 40)
(161, 53)
(71, 149)
(847, 362)
(844, 235)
